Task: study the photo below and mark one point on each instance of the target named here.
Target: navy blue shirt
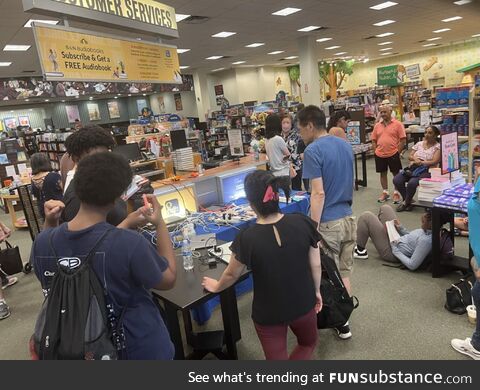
(331, 159)
(128, 266)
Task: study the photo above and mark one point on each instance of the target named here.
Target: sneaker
(344, 332)
(466, 347)
(4, 310)
(384, 197)
(360, 254)
(396, 198)
(11, 282)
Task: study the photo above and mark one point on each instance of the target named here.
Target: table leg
(364, 169)
(173, 326)
(231, 321)
(436, 226)
(11, 211)
(356, 173)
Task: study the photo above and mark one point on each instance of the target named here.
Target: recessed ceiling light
(115, 97)
(91, 98)
(214, 57)
(63, 101)
(255, 44)
(332, 47)
(434, 39)
(442, 30)
(276, 52)
(381, 6)
(286, 11)
(16, 47)
(238, 62)
(223, 34)
(218, 70)
(385, 54)
(46, 100)
(29, 23)
(184, 67)
(462, 2)
(27, 100)
(366, 60)
(387, 34)
(430, 44)
(291, 57)
(476, 36)
(129, 94)
(386, 49)
(452, 19)
(324, 39)
(5, 63)
(180, 17)
(181, 51)
(384, 43)
(341, 53)
(384, 23)
(309, 28)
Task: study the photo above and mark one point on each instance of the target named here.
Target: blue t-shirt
(474, 222)
(128, 266)
(331, 159)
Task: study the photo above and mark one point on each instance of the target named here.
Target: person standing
(327, 107)
(338, 123)
(294, 145)
(276, 148)
(5, 280)
(388, 140)
(328, 164)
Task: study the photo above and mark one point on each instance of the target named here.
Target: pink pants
(274, 338)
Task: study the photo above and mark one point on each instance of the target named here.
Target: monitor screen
(176, 202)
(179, 139)
(130, 151)
(232, 187)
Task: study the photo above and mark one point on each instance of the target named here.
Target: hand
(134, 220)
(153, 216)
(397, 223)
(5, 232)
(53, 211)
(210, 284)
(319, 304)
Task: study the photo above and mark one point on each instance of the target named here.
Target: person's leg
(363, 228)
(306, 184)
(305, 329)
(4, 309)
(347, 245)
(297, 181)
(412, 186)
(476, 301)
(399, 182)
(395, 165)
(386, 213)
(384, 180)
(381, 167)
(274, 341)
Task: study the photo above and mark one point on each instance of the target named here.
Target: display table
(8, 200)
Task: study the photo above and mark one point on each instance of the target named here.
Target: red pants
(274, 338)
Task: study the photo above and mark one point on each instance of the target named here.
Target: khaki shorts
(340, 237)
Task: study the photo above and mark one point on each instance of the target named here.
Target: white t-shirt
(425, 154)
(68, 180)
(275, 148)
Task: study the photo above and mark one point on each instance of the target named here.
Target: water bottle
(187, 255)
(257, 154)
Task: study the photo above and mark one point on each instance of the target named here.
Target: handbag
(10, 260)
(338, 305)
(459, 296)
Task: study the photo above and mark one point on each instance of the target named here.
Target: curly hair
(101, 178)
(87, 138)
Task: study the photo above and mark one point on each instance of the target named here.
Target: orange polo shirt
(388, 138)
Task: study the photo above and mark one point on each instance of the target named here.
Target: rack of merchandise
(415, 93)
(474, 134)
(53, 144)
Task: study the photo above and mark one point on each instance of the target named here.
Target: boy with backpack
(94, 273)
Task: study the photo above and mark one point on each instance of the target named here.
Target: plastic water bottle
(257, 154)
(187, 255)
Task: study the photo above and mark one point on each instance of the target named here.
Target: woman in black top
(282, 253)
(46, 184)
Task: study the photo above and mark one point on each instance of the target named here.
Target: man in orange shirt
(388, 140)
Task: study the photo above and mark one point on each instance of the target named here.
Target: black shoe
(344, 332)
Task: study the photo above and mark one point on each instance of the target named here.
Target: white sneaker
(466, 347)
(358, 254)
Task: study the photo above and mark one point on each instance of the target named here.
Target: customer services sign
(73, 55)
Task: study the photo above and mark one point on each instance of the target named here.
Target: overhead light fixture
(16, 47)
(430, 44)
(386, 49)
(286, 11)
(462, 2)
(91, 98)
(384, 23)
(181, 51)
(384, 43)
(129, 95)
(180, 17)
(309, 28)
(238, 62)
(27, 100)
(63, 101)
(5, 64)
(387, 34)
(46, 100)
(476, 36)
(276, 52)
(324, 39)
(184, 67)
(366, 60)
(434, 39)
(381, 6)
(291, 57)
(30, 21)
(214, 57)
(115, 97)
(341, 53)
(385, 54)
(442, 30)
(332, 47)
(452, 19)
(218, 70)
(223, 34)
(257, 44)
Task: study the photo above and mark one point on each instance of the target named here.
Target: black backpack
(76, 322)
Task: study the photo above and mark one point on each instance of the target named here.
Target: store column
(201, 94)
(309, 77)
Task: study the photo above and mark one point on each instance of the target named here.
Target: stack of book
(456, 178)
(430, 189)
(183, 159)
(456, 197)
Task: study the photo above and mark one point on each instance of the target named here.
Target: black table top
(188, 291)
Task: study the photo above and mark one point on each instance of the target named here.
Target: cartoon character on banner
(281, 99)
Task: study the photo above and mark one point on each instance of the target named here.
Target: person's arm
(403, 137)
(423, 248)
(374, 138)
(228, 278)
(435, 160)
(53, 211)
(400, 228)
(401, 145)
(317, 199)
(316, 267)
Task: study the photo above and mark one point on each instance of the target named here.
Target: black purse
(10, 260)
(338, 305)
(459, 296)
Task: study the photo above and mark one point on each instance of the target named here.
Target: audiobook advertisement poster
(67, 54)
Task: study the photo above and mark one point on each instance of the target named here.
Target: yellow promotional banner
(72, 55)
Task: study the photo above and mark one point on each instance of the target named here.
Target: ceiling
(348, 22)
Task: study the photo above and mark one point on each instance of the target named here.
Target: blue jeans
(476, 300)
